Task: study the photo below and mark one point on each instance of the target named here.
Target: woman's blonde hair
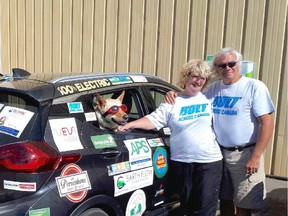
(194, 67)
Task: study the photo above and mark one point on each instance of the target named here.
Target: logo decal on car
(10, 123)
(155, 142)
(160, 162)
(65, 134)
(139, 153)
(40, 212)
(120, 80)
(136, 204)
(75, 107)
(73, 183)
(103, 141)
(131, 181)
(19, 186)
(118, 168)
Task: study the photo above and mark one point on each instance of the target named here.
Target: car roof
(46, 88)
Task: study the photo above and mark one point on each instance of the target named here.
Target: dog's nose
(125, 117)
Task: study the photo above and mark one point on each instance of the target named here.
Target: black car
(55, 159)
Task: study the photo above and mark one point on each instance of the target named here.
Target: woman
(196, 160)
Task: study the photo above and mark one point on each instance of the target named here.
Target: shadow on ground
(277, 202)
(276, 199)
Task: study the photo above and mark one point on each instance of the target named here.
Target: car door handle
(110, 153)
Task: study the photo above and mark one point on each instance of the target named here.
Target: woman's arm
(142, 123)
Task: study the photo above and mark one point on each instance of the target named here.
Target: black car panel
(53, 149)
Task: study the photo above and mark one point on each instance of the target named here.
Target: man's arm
(265, 133)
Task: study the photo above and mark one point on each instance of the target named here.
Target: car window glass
(155, 96)
(12, 108)
(87, 112)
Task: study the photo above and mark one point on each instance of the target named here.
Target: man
(243, 124)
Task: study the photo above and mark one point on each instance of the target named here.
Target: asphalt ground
(276, 198)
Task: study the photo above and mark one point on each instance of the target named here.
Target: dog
(110, 113)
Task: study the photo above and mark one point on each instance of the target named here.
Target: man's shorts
(247, 190)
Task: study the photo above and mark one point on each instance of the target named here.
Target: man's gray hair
(224, 52)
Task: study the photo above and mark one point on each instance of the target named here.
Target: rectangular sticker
(75, 107)
(65, 134)
(131, 181)
(9, 120)
(73, 183)
(139, 153)
(155, 142)
(19, 186)
(118, 168)
(103, 141)
(40, 212)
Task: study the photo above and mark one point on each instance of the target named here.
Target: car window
(130, 100)
(155, 96)
(12, 108)
(82, 108)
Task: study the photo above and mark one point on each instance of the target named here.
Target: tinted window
(85, 111)
(17, 115)
(154, 96)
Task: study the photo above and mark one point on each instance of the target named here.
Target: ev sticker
(139, 153)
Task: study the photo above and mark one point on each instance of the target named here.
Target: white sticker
(139, 153)
(65, 134)
(139, 78)
(9, 120)
(131, 181)
(118, 168)
(19, 186)
(91, 116)
(137, 204)
(73, 183)
(155, 142)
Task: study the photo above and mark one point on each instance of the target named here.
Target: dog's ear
(120, 98)
(98, 100)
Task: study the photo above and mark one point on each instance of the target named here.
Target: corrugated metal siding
(150, 36)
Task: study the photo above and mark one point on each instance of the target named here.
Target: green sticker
(209, 58)
(40, 212)
(103, 141)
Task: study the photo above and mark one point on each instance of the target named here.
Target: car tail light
(32, 157)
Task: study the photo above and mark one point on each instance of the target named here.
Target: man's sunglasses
(230, 64)
(114, 109)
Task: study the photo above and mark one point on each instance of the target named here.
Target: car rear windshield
(17, 115)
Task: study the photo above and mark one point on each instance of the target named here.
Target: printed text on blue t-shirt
(225, 102)
(193, 111)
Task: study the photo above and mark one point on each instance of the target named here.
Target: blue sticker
(75, 107)
(160, 162)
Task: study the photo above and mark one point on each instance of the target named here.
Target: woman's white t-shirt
(189, 119)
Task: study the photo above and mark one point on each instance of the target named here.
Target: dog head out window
(113, 108)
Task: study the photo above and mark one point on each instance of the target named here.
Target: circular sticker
(73, 183)
(136, 204)
(160, 162)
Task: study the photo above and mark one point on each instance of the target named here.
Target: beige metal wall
(150, 36)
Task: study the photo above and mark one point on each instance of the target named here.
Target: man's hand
(170, 97)
(252, 165)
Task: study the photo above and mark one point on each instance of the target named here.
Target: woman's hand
(170, 97)
(123, 128)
